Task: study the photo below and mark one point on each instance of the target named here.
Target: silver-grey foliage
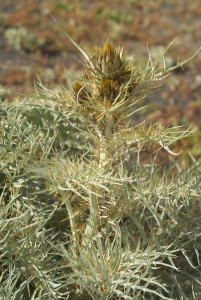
(81, 217)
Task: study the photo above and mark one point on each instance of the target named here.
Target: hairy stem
(93, 220)
(73, 223)
(94, 217)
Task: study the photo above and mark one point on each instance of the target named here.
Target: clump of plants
(81, 216)
(20, 38)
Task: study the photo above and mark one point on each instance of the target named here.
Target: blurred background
(32, 45)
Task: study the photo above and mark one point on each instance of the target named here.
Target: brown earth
(32, 45)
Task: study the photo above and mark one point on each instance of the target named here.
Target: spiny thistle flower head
(111, 63)
(80, 91)
(113, 87)
(110, 88)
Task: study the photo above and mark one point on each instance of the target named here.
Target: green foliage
(115, 16)
(64, 6)
(81, 216)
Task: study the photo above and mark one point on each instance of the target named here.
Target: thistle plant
(109, 93)
(91, 220)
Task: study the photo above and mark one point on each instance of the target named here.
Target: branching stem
(94, 217)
